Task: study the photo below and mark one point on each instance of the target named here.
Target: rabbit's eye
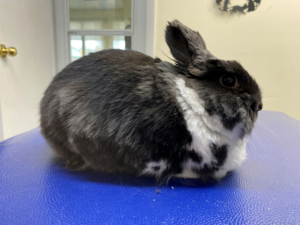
(228, 81)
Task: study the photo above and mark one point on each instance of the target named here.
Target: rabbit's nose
(256, 106)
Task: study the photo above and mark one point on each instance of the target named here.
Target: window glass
(85, 44)
(100, 14)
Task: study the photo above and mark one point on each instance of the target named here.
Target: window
(85, 26)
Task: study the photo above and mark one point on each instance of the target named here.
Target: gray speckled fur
(95, 100)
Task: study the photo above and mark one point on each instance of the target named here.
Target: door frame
(142, 32)
(1, 124)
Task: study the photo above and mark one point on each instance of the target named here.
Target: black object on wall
(225, 6)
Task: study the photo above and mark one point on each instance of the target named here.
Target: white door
(26, 25)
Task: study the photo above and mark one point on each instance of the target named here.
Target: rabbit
(121, 111)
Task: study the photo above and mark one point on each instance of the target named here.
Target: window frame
(141, 32)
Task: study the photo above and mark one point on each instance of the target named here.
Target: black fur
(194, 156)
(220, 153)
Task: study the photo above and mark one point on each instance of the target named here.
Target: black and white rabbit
(124, 112)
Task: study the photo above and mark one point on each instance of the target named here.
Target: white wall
(27, 26)
(266, 42)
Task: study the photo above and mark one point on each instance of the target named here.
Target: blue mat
(36, 189)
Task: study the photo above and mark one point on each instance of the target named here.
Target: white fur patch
(235, 156)
(205, 130)
(187, 170)
(150, 168)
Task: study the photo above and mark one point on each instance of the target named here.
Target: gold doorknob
(7, 51)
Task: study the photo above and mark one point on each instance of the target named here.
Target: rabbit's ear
(184, 43)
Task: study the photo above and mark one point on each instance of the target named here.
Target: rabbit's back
(114, 108)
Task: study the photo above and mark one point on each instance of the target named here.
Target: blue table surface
(36, 189)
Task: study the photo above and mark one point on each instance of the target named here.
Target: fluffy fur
(205, 130)
(124, 112)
